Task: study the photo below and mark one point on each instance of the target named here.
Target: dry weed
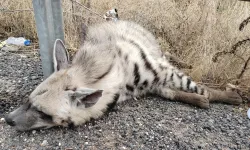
(192, 30)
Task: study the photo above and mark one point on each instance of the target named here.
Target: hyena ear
(60, 55)
(85, 96)
(83, 33)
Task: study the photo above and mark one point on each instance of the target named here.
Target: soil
(146, 123)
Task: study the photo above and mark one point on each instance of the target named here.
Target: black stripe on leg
(180, 75)
(129, 88)
(111, 105)
(188, 83)
(136, 74)
(145, 83)
(195, 89)
(202, 91)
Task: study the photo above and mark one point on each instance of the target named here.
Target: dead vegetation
(212, 36)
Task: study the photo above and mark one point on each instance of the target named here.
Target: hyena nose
(9, 121)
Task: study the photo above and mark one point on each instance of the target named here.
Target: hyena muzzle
(118, 61)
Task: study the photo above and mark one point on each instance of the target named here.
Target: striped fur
(118, 61)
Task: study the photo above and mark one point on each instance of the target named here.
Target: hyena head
(55, 100)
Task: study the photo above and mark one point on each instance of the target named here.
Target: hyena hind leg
(190, 98)
(230, 96)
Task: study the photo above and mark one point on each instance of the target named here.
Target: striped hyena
(118, 61)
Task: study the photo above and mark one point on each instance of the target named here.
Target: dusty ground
(148, 123)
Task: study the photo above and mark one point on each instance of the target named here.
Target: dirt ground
(147, 123)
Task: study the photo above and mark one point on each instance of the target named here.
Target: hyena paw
(203, 102)
(233, 98)
(232, 88)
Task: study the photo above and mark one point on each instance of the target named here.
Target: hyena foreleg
(190, 98)
(228, 96)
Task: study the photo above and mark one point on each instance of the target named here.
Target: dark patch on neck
(111, 105)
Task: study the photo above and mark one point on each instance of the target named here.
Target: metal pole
(49, 24)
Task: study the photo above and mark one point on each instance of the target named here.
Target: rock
(34, 77)
(44, 143)
(2, 120)
(34, 132)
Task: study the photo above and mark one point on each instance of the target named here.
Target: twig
(87, 8)
(244, 23)
(244, 68)
(16, 10)
(233, 50)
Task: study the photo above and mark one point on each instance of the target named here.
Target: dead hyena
(118, 61)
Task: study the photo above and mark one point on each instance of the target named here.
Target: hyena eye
(68, 88)
(42, 92)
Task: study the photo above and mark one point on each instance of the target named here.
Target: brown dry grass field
(194, 31)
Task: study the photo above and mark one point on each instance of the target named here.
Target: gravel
(146, 123)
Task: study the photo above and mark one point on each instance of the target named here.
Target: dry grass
(192, 30)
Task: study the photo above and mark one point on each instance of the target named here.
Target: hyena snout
(9, 120)
(23, 118)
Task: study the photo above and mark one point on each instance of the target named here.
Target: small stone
(59, 144)
(44, 143)
(34, 132)
(22, 56)
(34, 77)
(2, 120)
(211, 120)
